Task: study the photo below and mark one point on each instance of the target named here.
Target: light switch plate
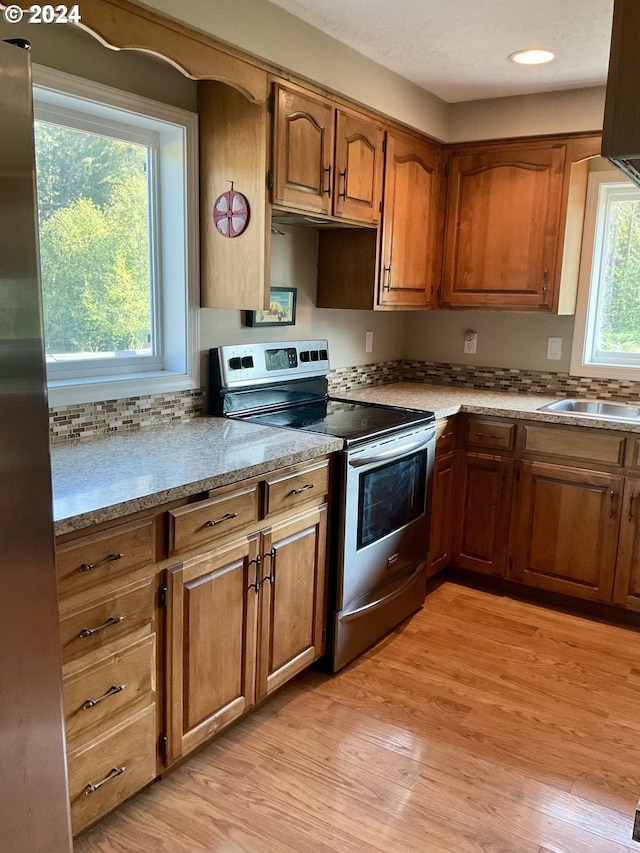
(554, 348)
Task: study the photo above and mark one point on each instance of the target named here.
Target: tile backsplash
(84, 420)
(69, 423)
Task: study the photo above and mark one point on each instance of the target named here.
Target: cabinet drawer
(211, 520)
(85, 562)
(112, 768)
(584, 444)
(445, 436)
(489, 434)
(99, 696)
(111, 619)
(294, 488)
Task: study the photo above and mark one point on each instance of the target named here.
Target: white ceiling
(458, 49)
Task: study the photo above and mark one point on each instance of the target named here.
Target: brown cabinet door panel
(303, 151)
(567, 530)
(627, 581)
(481, 523)
(503, 221)
(441, 513)
(211, 643)
(409, 269)
(293, 596)
(358, 172)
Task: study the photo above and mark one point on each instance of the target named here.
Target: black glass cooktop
(343, 418)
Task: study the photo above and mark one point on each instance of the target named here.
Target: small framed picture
(281, 310)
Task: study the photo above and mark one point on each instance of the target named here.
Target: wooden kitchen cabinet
(247, 608)
(513, 224)
(327, 160)
(626, 589)
(567, 529)
(482, 513)
(410, 253)
(108, 599)
(442, 494)
(400, 270)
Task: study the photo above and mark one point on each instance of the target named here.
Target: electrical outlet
(470, 342)
(554, 348)
(368, 341)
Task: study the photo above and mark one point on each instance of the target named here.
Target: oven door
(385, 530)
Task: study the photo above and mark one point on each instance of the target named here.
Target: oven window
(391, 496)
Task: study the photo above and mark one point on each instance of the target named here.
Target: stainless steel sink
(601, 409)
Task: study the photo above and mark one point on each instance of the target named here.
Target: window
(607, 332)
(117, 186)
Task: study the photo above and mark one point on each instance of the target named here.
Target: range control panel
(244, 365)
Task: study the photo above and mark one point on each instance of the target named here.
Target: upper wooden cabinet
(409, 267)
(509, 242)
(326, 160)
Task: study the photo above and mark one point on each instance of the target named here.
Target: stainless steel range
(380, 533)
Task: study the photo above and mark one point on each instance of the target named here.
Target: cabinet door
(211, 630)
(410, 223)
(303, 151)
(358, 172)
(503, 227)
(567, 530)
(293, 598)
(627, 584)
(481, 530)
(441, 513)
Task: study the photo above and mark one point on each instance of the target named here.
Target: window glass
(95, 244)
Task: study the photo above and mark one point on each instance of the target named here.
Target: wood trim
(121, 25)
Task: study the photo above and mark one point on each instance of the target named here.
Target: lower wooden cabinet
(626, 590)
(567, 529)
(443, 490)
(482, 513)
(242, 619)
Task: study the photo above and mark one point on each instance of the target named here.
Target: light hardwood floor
(481, 724)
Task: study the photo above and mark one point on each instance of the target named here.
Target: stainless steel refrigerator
(34, 806)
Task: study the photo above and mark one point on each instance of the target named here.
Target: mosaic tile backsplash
(70, 423)
(84, 420)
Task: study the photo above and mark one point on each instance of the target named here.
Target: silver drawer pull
(91, 703)
(450, 435)
(110, 558)
(112, 620)
(485, 435)
(225, 517)
(93, 786)
(304, 488)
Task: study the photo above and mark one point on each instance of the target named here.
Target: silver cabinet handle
(226, 517)
(612, 505)
(631, 502)
(110, 558)
(343, 175)
(112, 620)
(94, 786)
(485, 435)
(387, 285)
(299, 491)
(91, 703)
(256, 584)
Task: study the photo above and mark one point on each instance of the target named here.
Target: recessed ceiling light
(537, 56)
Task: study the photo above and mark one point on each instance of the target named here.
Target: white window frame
(584, 362)
(174, 243)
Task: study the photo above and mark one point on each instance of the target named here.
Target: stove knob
(247, 361)
(314, 355)
(304, 356)
(324, 355)
(235, 364)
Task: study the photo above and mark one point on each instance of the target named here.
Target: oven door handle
(393, 452)
(350, 615)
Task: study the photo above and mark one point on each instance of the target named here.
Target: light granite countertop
(446, 400)
(101, 479)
